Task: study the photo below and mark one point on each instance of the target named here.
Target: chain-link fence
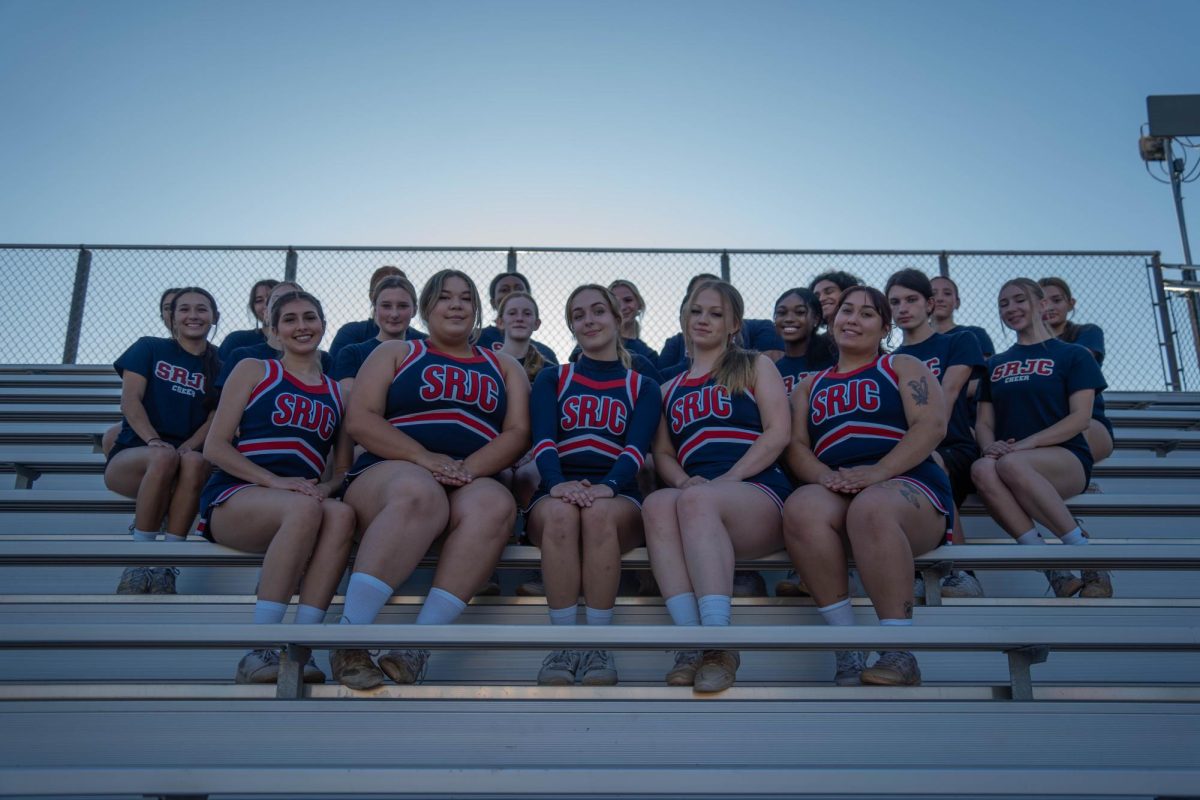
(116, 290)
(1178, 289)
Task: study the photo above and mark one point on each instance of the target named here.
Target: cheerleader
(593, 422)
(166, 404)
(862, 435)
(798, 320)
(270, 438)
(439, 417)
(1035, 405)
(1057, 309)
(393, 303)
(257, 306)
(493, 335)
(726, 426)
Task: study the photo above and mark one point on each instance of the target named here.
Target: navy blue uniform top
(1092, 337)
(236, 340)
(449, 405)
(362, 331)
(350, 358)
(637, 349)
(263, 352)
(175, 389)
(940, 352)
(757, 334)
(1030, 385)
(593, 420)
(981, 336)
(794, 369)
(492, 338)
(710, 430)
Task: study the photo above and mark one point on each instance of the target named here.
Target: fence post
(1164, 321)
(511, 266)
(944, 264)
(725, 266)
(83, 268)
(289, 266)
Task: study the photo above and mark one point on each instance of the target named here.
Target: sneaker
(1063, 582)
(718, 670)
(1096, 583)
(162, 580)
(258, 666)
(791, 586)
(894, 668)
(312, 673)
(748, 583)
(531, 584)
(961, 584)
(558, 668)
(405, 666)
(919, 587)
(684, 671)
(491, 588)
(134, 580)
(354, 669)
(850, 664)
(598, 668)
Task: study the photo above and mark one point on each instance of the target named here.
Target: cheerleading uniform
(288, 428)
(856, 418)
(711, 431)
(448, 404)
(593, 420)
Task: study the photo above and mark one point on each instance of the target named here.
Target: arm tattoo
(920, 391)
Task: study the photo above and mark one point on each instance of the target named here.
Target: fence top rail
(523, 249)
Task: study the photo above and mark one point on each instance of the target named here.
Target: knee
(867, 518)
(407, 500)
(339, 519)
(597, 526)
(193, 467)
(1011, 471)
(164, 462)
(801, 515)
(983, 474)
(304, 513)
(695, 503)
(561, 524)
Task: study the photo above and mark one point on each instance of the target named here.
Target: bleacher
(1024, 694)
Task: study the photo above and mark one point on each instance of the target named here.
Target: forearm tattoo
(920, 391)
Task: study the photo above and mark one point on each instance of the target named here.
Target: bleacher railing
(85, 304)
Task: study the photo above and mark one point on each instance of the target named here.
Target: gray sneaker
(258, 666)
(559, 668)
(718, 671)
(1063, 582)
(1096, 583)
(405, 666)
(684, 671)
(919, 587)
(162, 580)
(354, 669)
(850, 664)
(134, 580)
(961, 584)
(894, 668)
(598, 668)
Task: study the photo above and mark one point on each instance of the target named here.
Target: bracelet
(155, 439)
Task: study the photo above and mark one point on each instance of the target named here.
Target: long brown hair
(635, 323)
(735, 368)
(614, 308)
(1070, 329)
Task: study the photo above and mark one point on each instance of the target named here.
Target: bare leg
(329, 557)
(721, 521)
(612, 526)
(482, 514)
(1040, 479)
(145, 474)
(1099, 441)
(282, 524)
(814, 521)
(554, 527)
(185, 499)
(664, 543)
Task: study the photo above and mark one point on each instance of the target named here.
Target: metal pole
(512, 261)
(83, 268)
(1174, 381)
(944, 264)
(725, 266)
(1193, 298)
(289, 268)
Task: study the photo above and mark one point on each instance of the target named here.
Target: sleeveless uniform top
(288, 428)
(593, 420)
(711, 431)
(176, 388)
(450, 405)
(856, 418)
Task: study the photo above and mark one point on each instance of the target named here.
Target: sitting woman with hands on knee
(862, 437)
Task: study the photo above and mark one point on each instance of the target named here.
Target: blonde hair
(613, 307)
(634, 323)
(1036, 295)
(735, 368)
(433, 289)
(534, 360)
(393, 282)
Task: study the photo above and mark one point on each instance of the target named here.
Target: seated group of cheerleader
(743, 438)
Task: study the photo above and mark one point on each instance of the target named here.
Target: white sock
(268, 612)
(309, 615)
(564, 616)
(170, 537)
(683, 609)
(895, 622)
(840, 613)
(440, 608)
(598, 616)
(365, 596)
(1074, 536)
(143, 536)
(715, 609)
(1031, 537)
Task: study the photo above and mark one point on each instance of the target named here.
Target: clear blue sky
(689, 124)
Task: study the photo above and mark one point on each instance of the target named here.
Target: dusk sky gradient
(969, 125)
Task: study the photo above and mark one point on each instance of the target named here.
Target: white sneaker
(961, 584)
(258, 666)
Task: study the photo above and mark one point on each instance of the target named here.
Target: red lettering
(861, 394)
